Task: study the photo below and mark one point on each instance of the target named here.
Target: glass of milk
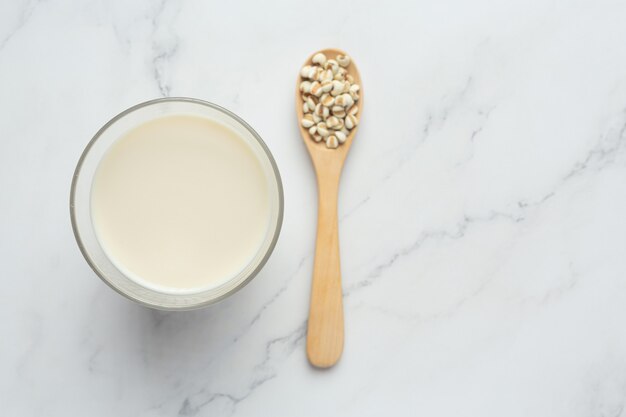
(176, 203)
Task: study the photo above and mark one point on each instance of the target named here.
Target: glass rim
(275, 234)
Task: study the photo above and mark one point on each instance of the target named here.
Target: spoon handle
(325, 328)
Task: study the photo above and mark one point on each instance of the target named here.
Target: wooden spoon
(325, 328)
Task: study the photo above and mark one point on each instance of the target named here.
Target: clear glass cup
(80, 202)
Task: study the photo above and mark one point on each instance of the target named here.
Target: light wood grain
(325, 334)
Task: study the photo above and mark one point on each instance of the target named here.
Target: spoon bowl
(325, 333)
(318, 150)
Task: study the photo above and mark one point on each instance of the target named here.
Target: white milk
(180, 203)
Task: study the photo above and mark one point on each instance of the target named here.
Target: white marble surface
(483, 210)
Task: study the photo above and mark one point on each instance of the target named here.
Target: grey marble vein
(25, 11)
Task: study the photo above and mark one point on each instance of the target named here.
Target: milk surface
(180, 203)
